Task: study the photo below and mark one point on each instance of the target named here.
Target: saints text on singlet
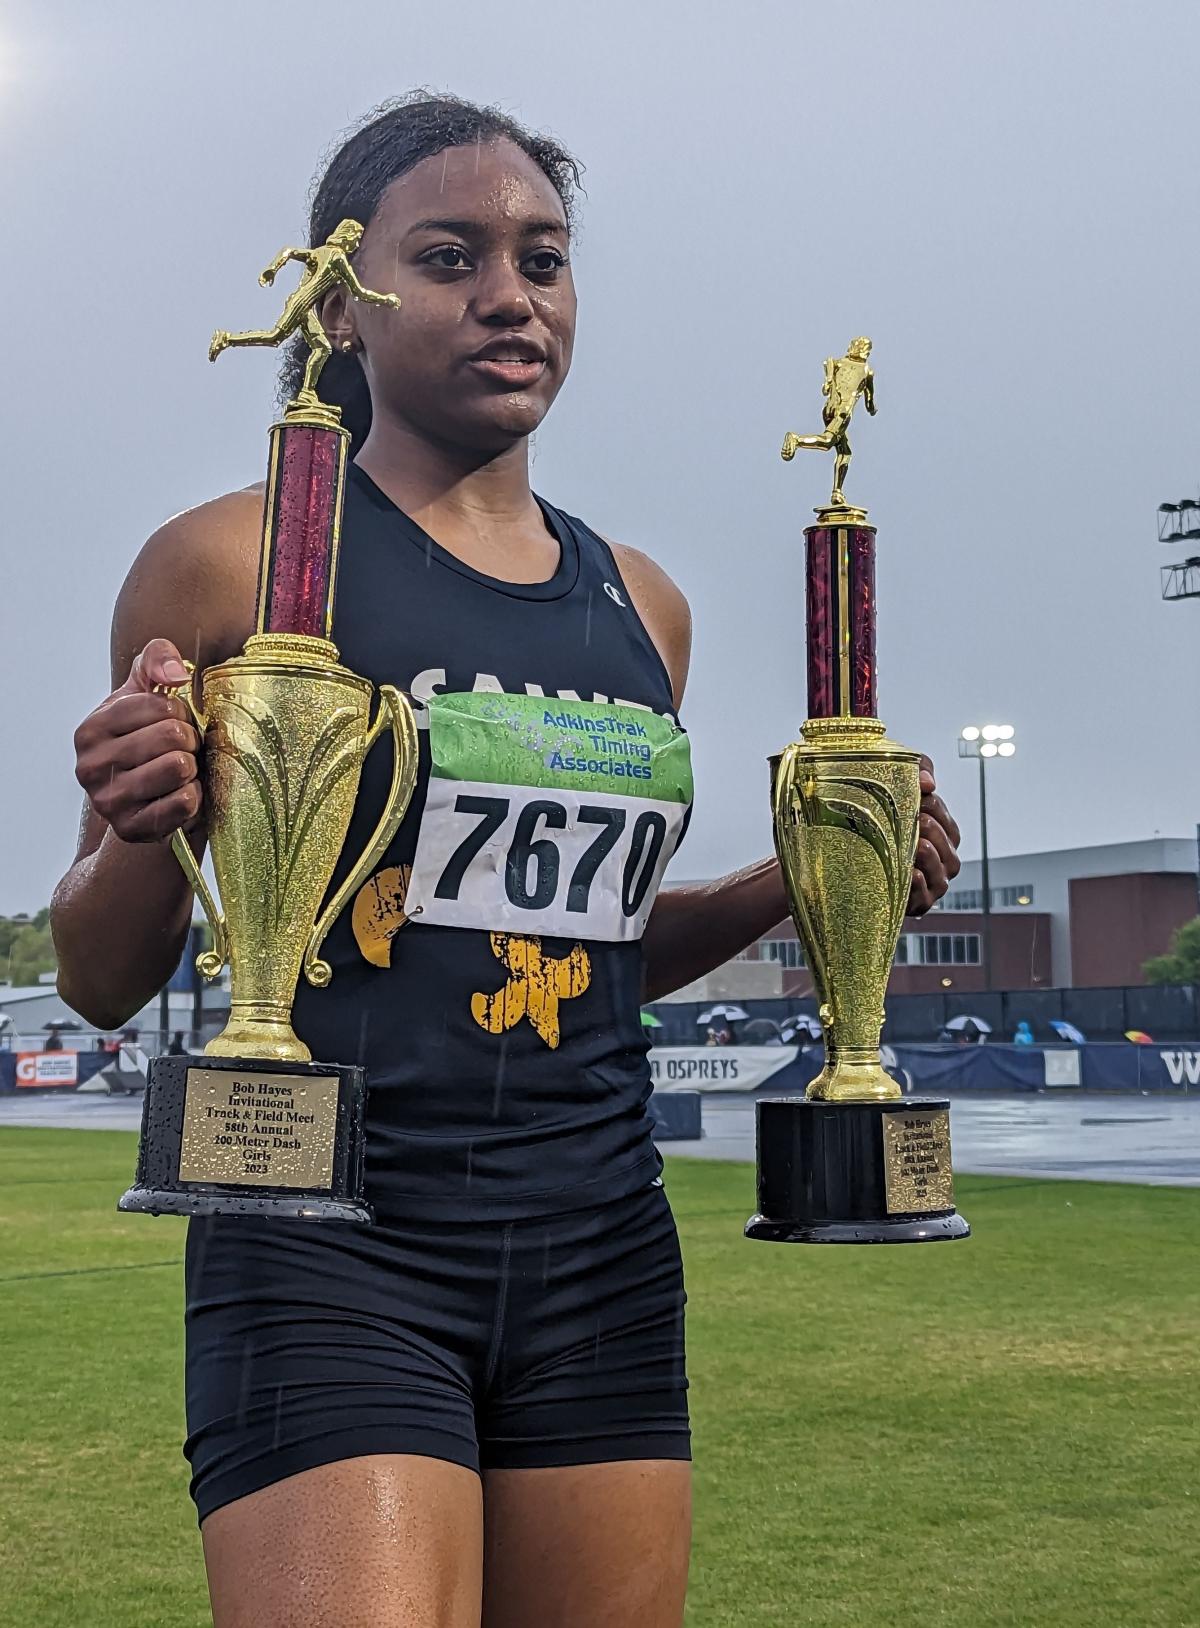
(488, 975)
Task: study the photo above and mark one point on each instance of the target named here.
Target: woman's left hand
(937, 862)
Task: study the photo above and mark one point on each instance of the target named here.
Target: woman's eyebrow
(478, 228)
(539, 228)
(462, 228)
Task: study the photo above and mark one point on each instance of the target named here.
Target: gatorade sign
(47, 1068)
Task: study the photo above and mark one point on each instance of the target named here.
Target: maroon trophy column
(301, 528)
(841, 620)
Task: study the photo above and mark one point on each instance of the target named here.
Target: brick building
(1071, 917)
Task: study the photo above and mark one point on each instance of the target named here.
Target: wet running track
(1086, 1138)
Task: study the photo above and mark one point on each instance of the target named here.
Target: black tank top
(507, 1069)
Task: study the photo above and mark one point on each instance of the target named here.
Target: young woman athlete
(473, 1411)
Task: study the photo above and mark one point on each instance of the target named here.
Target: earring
(347, 345)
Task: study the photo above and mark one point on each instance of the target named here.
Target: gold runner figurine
(846, 378)
(325, 267)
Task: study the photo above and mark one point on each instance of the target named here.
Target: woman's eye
(544, 263)
(450, 258)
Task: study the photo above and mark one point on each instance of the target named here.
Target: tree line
(26, 948)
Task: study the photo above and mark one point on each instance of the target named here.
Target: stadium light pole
(1180, 523)
(984, 741)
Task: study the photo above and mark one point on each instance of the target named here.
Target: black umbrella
(62, 1023)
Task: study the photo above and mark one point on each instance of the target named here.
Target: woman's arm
(120, 915)
(694, 929)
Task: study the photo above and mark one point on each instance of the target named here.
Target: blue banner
(970, 1068)
(1116, 1066)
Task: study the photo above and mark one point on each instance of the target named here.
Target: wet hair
(392, 140)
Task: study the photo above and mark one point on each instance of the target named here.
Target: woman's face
(474, 241)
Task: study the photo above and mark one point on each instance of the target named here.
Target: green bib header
(534, 740)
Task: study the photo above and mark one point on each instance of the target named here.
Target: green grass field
(999, 1432)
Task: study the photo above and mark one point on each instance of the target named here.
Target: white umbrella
(962, 1021)
(802, 1023)
(732, 1014)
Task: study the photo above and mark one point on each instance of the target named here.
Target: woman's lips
(513, 374)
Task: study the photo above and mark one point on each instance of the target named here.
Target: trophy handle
(208, 962)
(394, 708)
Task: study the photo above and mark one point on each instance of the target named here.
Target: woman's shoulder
(194, 581)
(663, 608)
(645, 578)
(211, 531)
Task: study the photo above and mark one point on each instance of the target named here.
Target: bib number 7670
(563, 863)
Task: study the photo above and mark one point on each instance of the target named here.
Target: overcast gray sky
(1004, 196)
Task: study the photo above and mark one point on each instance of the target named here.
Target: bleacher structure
(1180, 523)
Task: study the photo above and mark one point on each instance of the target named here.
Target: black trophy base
(243, 1136)
(854, 1173)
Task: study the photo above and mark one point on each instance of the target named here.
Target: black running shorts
(489, 1344)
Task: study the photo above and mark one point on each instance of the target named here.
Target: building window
(787, 951)
(1003, 898)
(1017, 896)
(938, 950)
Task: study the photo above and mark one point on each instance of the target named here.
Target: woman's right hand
(136, 754)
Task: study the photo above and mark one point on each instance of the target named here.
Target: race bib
(547, 817)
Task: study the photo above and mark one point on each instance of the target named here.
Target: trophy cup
(852, 1161)
(255, 1126)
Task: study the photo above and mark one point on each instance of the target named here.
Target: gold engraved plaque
(917, 1177)
(259, 1130)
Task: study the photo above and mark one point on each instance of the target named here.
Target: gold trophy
(257, 1126)
(852, 1161)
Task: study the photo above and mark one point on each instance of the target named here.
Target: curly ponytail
(392, 140)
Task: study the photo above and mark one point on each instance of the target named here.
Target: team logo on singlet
(378, 913)
(536, 984)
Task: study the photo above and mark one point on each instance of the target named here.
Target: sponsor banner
(718, 1068)
(1183, 1067)
(47, 1068)
(1063, 1068)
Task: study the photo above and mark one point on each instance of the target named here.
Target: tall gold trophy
(258, 1127)
(852, 1161)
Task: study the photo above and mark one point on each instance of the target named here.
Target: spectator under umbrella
(719, 1021)
(1068, 1032)
(761, 1032)
(966, 1029)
